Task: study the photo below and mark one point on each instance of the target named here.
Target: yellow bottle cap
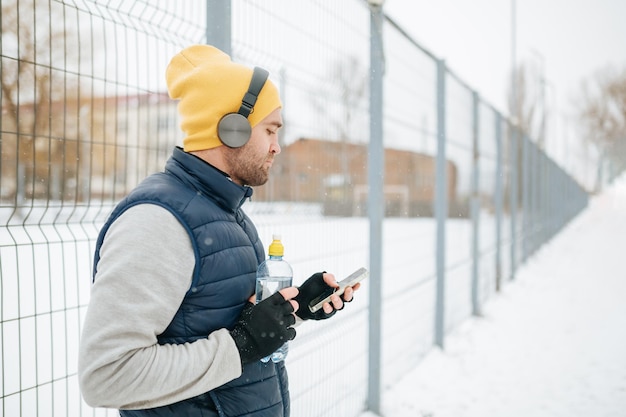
(276, 248)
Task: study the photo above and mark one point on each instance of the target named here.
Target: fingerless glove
(310, 289)
(263, 328)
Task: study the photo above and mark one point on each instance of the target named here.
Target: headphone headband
(259, 76)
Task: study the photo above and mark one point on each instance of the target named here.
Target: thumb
(289, 292)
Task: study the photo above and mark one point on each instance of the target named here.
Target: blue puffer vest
(227, 250)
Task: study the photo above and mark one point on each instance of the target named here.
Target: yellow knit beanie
(209, 85)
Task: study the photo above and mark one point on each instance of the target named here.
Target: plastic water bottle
(273, 275)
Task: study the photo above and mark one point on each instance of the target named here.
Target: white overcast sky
(573, 38)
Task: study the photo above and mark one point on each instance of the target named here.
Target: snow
(552, 343)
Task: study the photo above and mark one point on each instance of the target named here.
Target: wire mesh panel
(459, 156)
(86, 116)
(317, 52)
(409, 186)
(487, 194)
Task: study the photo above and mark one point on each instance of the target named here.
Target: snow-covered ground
(552, 343)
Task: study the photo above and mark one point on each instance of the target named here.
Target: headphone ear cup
(234, 130)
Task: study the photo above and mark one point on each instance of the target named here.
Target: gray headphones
(234, 129)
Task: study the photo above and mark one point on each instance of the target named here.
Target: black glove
(263, 328)
(310, 289)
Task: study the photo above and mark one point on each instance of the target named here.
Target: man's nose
(275, 148)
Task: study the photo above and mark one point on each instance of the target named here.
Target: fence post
(535, 196)
(375, 206)
(526, 213)
(441, 204)
(514, 167)
(475, 204)
(499, 199)
(218, 24)
(543, 178)
(529, 205)
(554, 198)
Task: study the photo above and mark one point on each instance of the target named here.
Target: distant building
(83, 148)
(335, 174)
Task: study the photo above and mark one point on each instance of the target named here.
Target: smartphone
(349, 281)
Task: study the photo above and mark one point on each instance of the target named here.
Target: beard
(246, 167)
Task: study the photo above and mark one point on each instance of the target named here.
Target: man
(171, 328)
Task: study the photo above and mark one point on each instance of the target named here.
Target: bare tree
(36, 48)
(528, 111)
(350, 84)
(602, 113)
(350, 81)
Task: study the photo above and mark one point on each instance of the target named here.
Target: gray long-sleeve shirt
(145, 269)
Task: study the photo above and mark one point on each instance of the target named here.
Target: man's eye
(271, 132)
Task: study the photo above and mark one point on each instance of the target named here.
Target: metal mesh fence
(86, 116)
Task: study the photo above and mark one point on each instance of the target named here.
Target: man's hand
(263, 328)
(315, 285)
